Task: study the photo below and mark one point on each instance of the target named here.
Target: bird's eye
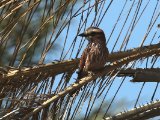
(93, 33)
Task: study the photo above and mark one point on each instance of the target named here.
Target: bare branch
(146, 77)
(142, 75)
(139, 112)
(65, 66)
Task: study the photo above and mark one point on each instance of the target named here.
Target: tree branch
(64, 66)
(142, 75)
(146, 111)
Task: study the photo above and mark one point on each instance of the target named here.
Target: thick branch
(131, 72)
(146, 77)
(51, 69)
(119, 55)
(142, 112)
(60, 67)
(142, 75)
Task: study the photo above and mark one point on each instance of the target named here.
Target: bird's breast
(96, 57)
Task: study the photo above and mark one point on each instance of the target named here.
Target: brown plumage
(96, 53)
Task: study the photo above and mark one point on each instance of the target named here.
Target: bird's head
(93, 33)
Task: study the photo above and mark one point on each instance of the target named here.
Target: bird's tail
(80, 74)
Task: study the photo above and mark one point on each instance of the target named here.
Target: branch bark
(142, 75)
(146, 111)
(69, 65)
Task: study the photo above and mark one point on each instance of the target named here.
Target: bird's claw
(77, 81)
(91, 73)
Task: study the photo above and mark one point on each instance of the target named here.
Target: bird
(96, 53)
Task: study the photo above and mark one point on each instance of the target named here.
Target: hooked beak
(82, 35)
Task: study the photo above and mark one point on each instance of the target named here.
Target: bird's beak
(82, 35)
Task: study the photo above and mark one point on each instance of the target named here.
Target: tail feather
(80, 74)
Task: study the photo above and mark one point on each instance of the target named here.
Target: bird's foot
(91, 73)
(76, 80)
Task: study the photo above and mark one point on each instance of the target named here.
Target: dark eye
(93, 33)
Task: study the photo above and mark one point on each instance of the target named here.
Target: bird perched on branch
(95, 55)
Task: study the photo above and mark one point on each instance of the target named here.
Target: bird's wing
(82, 63)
